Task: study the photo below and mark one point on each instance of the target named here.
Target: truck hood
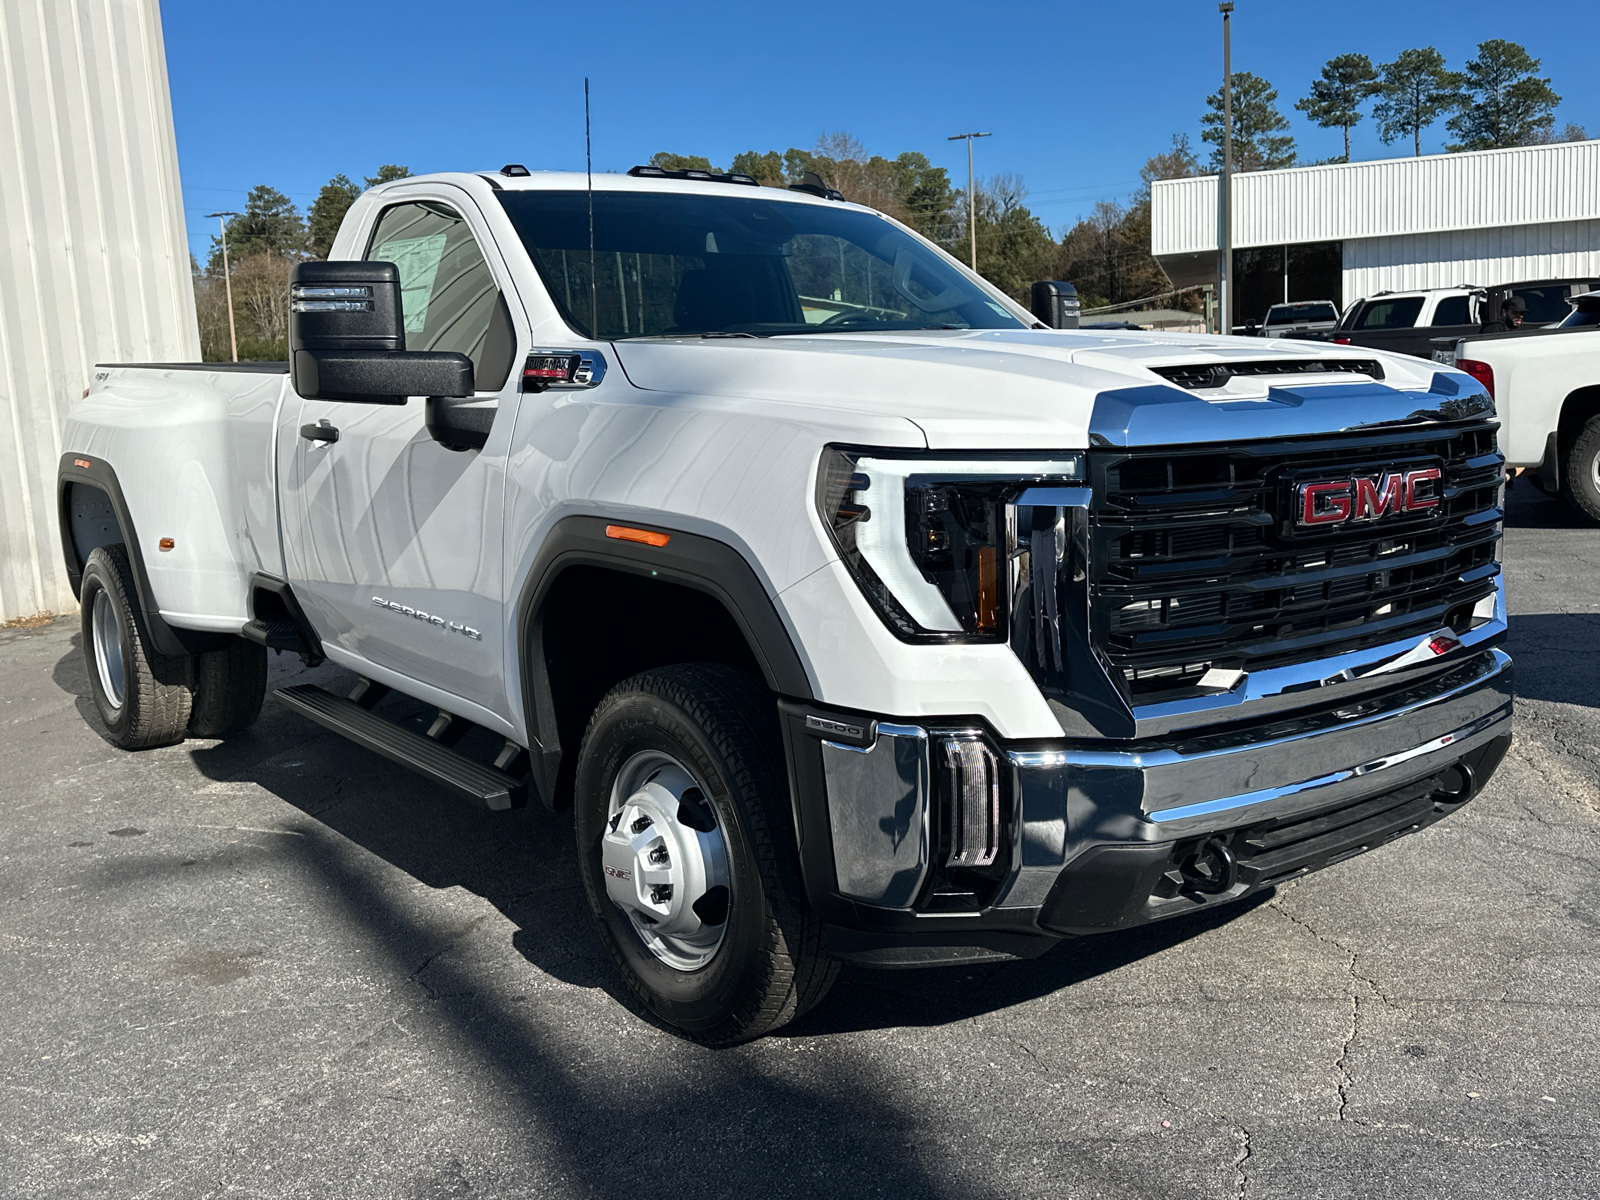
(1058, 389)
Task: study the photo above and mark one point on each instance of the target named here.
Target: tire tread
(158, 698)
(797, 970)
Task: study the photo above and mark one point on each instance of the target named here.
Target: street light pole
(972, 210)
(227, 278)
(1225, 184)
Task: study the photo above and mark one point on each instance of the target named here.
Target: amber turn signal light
(627, 533)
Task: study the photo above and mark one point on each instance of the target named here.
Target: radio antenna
(588, 173)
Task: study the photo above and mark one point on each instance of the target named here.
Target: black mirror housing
(345, 306)
(380, 376)
(347, 338)
(1055, 302)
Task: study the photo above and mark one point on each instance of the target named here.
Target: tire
(229, 686)
(690, 756)
(142, 695)
(1580, 475)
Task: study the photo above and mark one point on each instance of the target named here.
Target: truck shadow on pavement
(1527, 507)
(522, 862)
(1554, 653)
(579, 1074)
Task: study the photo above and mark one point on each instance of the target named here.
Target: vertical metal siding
(94, 261)
(1530, 185)
(1567, 250)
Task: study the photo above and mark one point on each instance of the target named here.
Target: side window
(1545, 304)
(1452, 310)
(447, 291)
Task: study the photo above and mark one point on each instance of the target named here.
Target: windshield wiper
(718, 333)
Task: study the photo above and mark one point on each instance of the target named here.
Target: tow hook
(1211, 869)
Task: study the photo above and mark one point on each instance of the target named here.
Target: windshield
(669, 265)
(1585, 312)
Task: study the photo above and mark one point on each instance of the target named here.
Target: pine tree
(1502, 102)
(326, 213)
(388, 173)
(683, 162)
(1347, 82)
(1415, 91)
(1258, 143)
(270, 224)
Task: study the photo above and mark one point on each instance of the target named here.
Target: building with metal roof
(1347, 230)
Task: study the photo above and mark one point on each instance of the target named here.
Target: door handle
(322, 431)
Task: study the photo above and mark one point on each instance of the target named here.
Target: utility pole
(972, 210)
(227, 278)
(1225, 184)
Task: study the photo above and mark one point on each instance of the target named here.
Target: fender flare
(93, 472)
(690, 560)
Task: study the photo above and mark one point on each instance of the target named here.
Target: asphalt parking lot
(278, 966)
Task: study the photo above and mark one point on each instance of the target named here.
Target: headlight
(931, 540)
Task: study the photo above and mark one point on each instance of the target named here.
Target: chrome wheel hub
(107, 634)
(666, 861)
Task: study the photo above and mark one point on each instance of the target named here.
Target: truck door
(398, 558)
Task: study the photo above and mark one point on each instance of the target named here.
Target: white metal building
(94, 262)
(1494, 216)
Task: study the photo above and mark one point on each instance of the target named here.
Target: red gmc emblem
(1367, 497)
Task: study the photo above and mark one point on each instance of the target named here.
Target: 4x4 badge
(1366, 497)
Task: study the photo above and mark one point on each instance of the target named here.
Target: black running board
(464, 776)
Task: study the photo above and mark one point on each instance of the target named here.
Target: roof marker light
(627, 533)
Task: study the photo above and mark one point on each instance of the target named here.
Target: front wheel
(1580, 480)
(688, 856)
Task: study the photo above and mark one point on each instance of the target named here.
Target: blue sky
(1077, 95)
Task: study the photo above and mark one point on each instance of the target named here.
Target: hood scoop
(1217, 374)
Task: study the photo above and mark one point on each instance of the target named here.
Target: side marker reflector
(627, 533)
(166, 543)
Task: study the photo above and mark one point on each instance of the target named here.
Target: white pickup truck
(856, 616)
(1547, 383)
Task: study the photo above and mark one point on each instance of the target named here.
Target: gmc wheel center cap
(655, 866)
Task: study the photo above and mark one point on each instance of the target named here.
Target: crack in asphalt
(1246, 1153)
(1357, 982)
(459, 936)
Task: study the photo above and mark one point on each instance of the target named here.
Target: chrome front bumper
(1070, 803)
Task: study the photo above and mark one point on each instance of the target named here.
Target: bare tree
(211, 307)
(261, 288)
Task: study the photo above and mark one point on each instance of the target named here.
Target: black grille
(1210, 375)
(1194, 563)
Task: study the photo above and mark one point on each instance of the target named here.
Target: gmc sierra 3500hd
(857, 617)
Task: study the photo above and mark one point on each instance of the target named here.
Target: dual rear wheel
(146, 698)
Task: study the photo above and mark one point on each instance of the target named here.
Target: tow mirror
(1055, 302)
(347, 339)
